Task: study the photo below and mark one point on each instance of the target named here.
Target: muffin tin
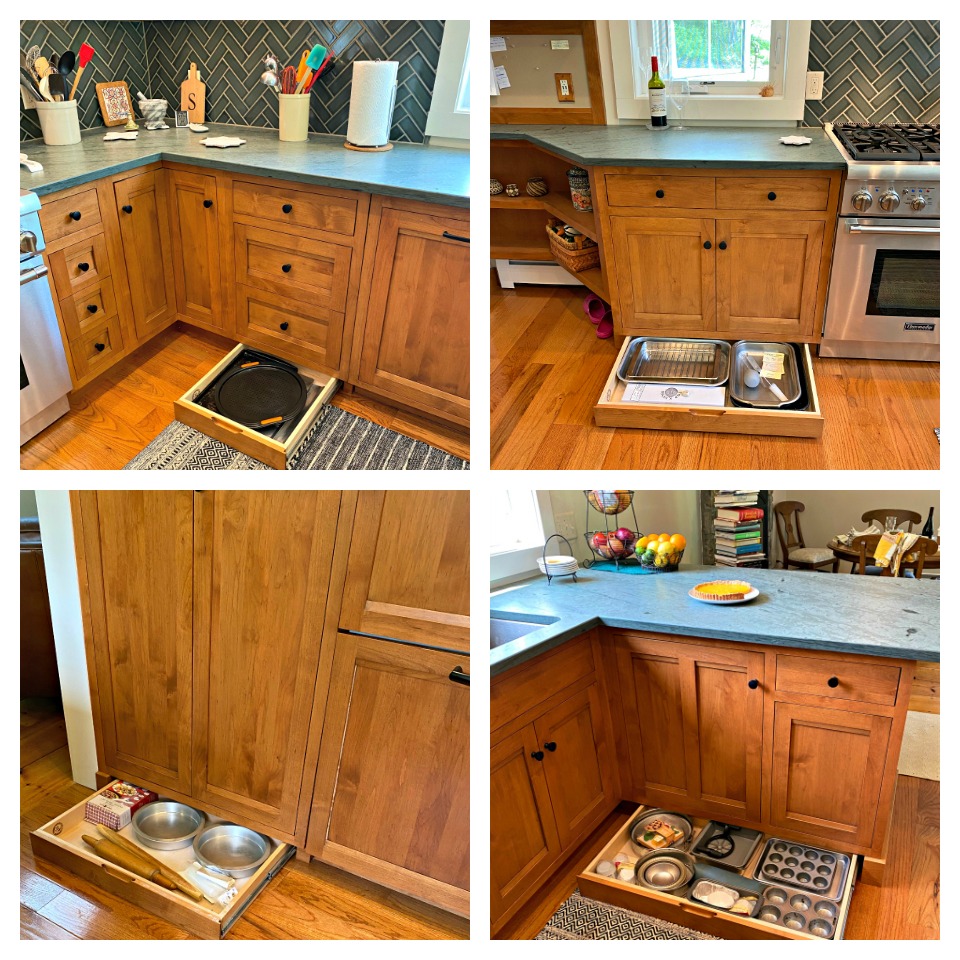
(821, 872)
(799, 910)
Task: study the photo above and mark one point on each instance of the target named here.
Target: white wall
(829, 512)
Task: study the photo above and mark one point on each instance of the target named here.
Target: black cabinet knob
(833, 682)
(92, 307)
(287, 267)
(537, 755)
(287, 207)
(75, 215)
(707, 245)
(771, 196)
(127, 208)
(753, 684)
(659, 194)
(284, 325)
(83, 267)
(722, 244)
(208, 203)
(99, 347)
(551, 746)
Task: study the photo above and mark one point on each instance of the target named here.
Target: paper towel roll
(372, 98)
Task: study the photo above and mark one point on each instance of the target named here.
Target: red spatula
(83, 58)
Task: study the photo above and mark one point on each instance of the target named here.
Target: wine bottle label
(658, 103)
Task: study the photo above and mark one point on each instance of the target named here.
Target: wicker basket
(572, 253)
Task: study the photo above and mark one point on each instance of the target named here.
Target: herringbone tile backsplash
(880, 71)
(154, 56)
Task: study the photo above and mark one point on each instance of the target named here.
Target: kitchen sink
(503, 629)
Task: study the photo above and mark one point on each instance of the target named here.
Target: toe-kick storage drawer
(687, 913)
(611, 410)
(61, 842)
(276, 453)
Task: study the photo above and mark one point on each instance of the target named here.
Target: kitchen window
(727, 63)
(520, 521)
(449, 115)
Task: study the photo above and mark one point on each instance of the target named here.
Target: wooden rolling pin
(183, 885)
(109, 851)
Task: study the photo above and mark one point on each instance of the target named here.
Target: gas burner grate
(896, 142)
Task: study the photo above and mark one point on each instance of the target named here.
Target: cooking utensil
(27, 78)
(821, 871)
(318, 73)
(302, 66)
(799, 911)
(675, 360)
(193, 95)
(84, 57)
(233, 849)
(741, 848)
(56, 87)
(261, 394)
(30, 57)
(770, 385)
(107, 850)
(288, 82)
(54, 61)
(41, 67)
(167, 825)
(665, 870)
(314, 60)
(68, 60)
(642, 824)
(722, 844)
(121, 841)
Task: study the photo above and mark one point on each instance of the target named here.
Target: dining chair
(793, 552)
(911, 566)
(909, 517)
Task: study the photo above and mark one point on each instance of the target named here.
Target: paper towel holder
(386, 146)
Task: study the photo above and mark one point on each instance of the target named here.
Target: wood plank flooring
(906, 907)
(112, 419)
(548, 369)
(304, 902)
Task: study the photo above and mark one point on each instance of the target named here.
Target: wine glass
(678, 91)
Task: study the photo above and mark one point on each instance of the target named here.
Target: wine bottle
(658, 96)
(928, 526)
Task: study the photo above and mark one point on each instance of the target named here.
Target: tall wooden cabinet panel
(413, 321)
(407, 569)
(196, 247)
(392, 800)
(144, 227)
(138, 578)
(263, 571)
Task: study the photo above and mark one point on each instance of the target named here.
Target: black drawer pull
(287, 208)
(208, 203)
(458, 676)
(99, 347)
(707, 245)
(92, 307)
(753, 684)
(659, 194)
(83, 267)
(75, 215)
(287, 267)
(551, 746)
(453, 236)
(833, 682)
(771, 196)
(284, 325)
(127, 208)
(537, 755)
(722, 244)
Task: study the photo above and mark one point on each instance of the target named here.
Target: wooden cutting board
(193, 95)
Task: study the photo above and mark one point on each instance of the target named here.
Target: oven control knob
(861, 200)
(28, 241)
(918, 203)
(889, 201)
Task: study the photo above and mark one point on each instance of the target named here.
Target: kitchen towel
(372, 96)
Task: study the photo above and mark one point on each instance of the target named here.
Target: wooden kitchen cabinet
(145, 229)
(392, 797)
(412, 341)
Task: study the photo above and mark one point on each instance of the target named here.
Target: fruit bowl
(609, 546)
(610, 502)
(660, 556)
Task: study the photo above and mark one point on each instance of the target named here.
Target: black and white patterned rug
(337, 441)
(580, 918)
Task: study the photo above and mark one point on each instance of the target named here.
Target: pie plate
(749, 596)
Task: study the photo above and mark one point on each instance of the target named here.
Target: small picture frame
(115, 105)
(180, 118)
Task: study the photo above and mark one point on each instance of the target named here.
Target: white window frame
(630, 39)
(509, 565)
(446, 119)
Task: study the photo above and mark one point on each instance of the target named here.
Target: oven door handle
(915, 231)
(34, 273)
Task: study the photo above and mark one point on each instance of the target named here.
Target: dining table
(843, 551)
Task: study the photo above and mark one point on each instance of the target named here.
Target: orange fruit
(663, 537)
(665, 547)
(678, 540)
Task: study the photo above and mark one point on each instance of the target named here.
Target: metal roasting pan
(676, 360)
(761, 396)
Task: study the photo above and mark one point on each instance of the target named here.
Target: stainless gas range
(884, 296)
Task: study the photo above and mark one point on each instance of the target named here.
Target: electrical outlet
(814, 89)
(566, 526)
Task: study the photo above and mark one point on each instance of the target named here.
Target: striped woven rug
(337, 441)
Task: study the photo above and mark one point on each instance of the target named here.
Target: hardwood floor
(115, 417)
(548, 369)
(304, 902)
(906, 907)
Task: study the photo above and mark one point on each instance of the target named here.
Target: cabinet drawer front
(629, 190)
(309, 270)
(326, 211)
(59, 218)
(88, 309)
(754, 193)
(865, 682)
(60, 841)
(79, 264)
(97, 347)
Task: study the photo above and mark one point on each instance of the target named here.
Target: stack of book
(739, 531)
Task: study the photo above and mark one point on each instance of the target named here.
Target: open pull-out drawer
(612, 410)
(275, 453)
(687, 913)
(60, 841)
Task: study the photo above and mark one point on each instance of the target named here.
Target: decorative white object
(198, 127)
(121, 135)
(31, 165)
(153, 111)
(795, 141)
(222, 141)
(372, 96)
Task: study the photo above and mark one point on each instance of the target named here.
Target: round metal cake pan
(232, 849)
(167, 825)
(676, 820)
